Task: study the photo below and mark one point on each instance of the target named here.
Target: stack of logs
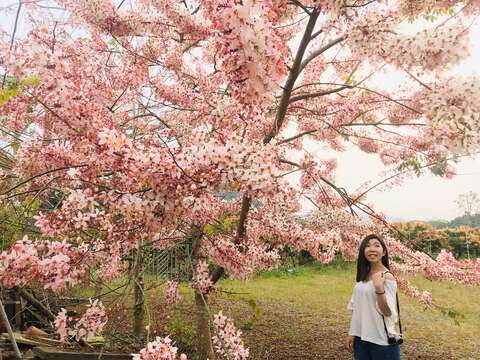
(24, 309)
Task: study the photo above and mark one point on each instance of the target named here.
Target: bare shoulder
(389, 276)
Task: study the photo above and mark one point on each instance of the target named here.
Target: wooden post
(138, 307)
(9, 330)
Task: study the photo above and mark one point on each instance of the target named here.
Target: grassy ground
(305, 317)
(302, 315)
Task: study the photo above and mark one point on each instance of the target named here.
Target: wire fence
(174, 263)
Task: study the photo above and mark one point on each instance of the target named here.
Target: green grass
(318, 295)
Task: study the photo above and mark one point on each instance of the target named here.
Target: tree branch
(12, 40)
(318, 94)
(370, 90)
(38, 175)
(297, 136)
(321, 50)
(292, 77)
(246, 202)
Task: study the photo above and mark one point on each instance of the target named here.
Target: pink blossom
(91, 323)
(160, 349)
(171, 292)
(53, 264)
(201, 277)
(227, 339)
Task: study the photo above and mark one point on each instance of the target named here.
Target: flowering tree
(141, 115)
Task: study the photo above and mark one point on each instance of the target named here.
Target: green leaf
(7, 94)
(247, 325)
(30, 81)
(411, 164)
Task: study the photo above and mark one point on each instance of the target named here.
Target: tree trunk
(98, 286)
(138, 307)
(204, 335)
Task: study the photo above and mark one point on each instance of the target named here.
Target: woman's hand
(379, 281)
(350, 340)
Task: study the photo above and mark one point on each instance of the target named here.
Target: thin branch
(303, 7)
(38, 175)
(110, 108)
(297, 136)
(328, 92)
(321, 50)
(120, 5)
(291, 24)
(359, 5)
(315, 34)
(370, 90)
(404, 172)
(318, 94)
(12, 40)
(417, 80)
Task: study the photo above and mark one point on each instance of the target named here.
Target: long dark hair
(363, 265)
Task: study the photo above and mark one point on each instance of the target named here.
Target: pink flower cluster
(240, 258)
(376, 36)
(368, 145)
(251, 51)
(417, 7)
(201, 278)
(160, 349)
(90, 324)
(452, 107)
(445, 267)
(53, 264)
(227, 340)
(233, 163)
(171, 292)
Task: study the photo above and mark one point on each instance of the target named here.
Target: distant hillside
(438, 224)
(473, 221)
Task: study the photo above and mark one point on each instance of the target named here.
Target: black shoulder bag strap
(398, 312)
(399, 320)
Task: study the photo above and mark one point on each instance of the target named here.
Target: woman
(374, 305)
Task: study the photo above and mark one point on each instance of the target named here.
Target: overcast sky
(424, 198)
(428, 197)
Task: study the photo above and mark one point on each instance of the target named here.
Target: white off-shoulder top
(367, 320)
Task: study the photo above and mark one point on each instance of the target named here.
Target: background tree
(470, 204)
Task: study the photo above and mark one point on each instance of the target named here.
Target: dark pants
(364, 350)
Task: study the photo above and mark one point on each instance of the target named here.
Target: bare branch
(297, 136)
(318, 94)
(41, 174)
(404, 172)
(12, 40)
(417, 79)
(369, 90)
(303, 7)
(120, 5)
(321, 50)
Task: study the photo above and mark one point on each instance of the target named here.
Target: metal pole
(9, 330)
